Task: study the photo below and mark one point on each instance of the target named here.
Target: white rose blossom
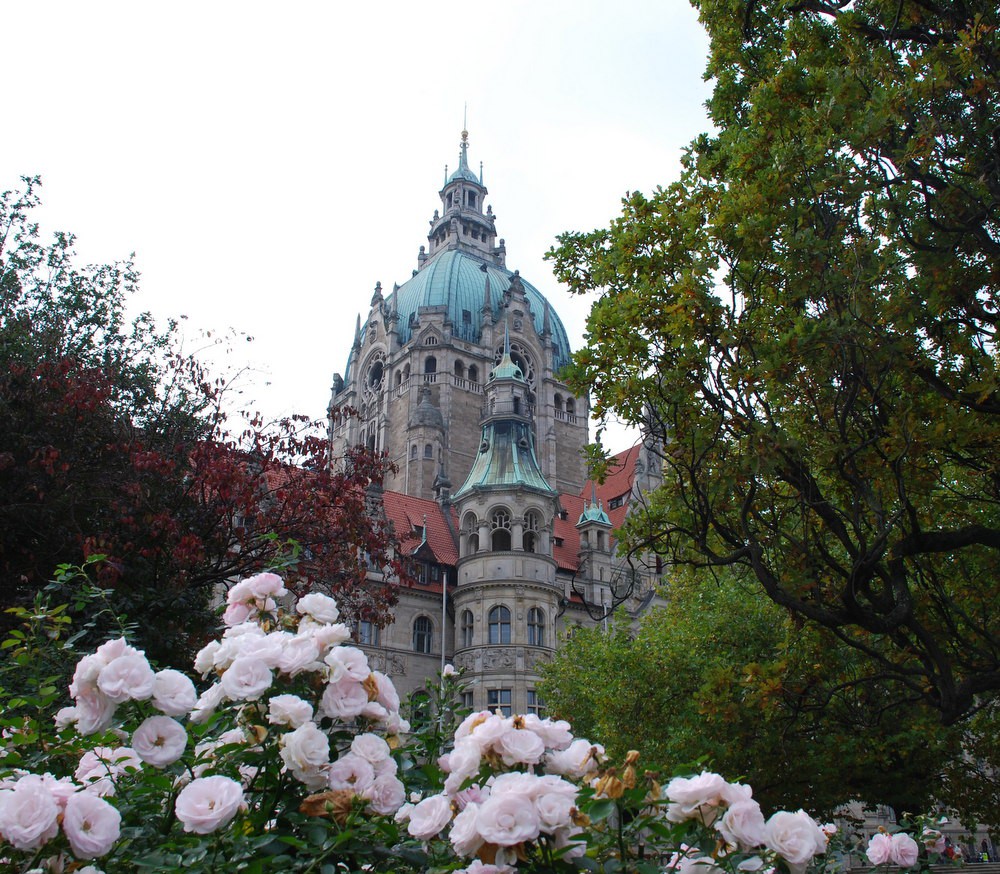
(318, 607)
(159, 741)
(207, 804)
(429, 817)
(91, 824)
(796, 837)
(28, 813)
(289, 710)
(173, 693)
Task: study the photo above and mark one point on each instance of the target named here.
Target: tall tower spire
(463, 223)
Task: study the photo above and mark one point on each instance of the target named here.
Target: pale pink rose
(904, 850)
(160, 741)
(173, 693)
(94, 711)
(519, 746)
(879, 850)
(344, 699)
(490, 730)
(742, 825)
(127, 678)
(91, 825)
(326, 636)
(553, 811)
(480, 867)
(352, 661)
(370, 747)
(115, 649)
(388, 697)
(693, 864)
(463, 764)
(933, 840)
(299, 654)
(385, 795)
(548, 784)
(351, 772)
(318, 607)
(306, 753)
(580, 758)
(555, 733)
(695, 797)
(506, 820)
(238, 613)
(28, 813)
(266, 585)
(207, 703)
(386, 767)
(429, 817)
(518, 783)
(395, 724)
(85, 675)
(65, 717)
(208, 803)
(239, 593)
(266, 647)
(289, 710)
(466, 726)
(375, 712)
(734, 793)
(204, 662)
(101, 767)
(464, 834)
(246, 679)
(62, 789)
(796, 837)
(564, 840)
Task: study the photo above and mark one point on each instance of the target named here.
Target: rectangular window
(367, 633)
(467, 700)
(499, 699)
(535, 704)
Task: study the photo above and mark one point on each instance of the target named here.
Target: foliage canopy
(807, 321)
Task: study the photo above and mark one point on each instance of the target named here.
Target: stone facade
(455, 376)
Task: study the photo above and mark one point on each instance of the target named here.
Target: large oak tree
(807, 320)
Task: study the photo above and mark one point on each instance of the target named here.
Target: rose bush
(294, 756)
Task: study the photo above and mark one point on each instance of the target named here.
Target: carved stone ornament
(498, 658)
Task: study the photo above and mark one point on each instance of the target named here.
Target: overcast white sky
(269, 162)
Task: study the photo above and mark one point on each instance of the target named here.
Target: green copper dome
(457, 280)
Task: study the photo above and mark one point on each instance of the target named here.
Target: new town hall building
(455, 376)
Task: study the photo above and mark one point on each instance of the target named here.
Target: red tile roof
(407, 513)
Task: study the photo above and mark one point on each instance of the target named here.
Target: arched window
(470, 528)
(570, 407)
(558, 403)
(430, 364)
(501, 531)
(459, 370)
(536, 627)
(406, 372)
(399, 378)
(468, 627)
(423, 633)
(473, 373)
(428, 450)
(529, 538)
(499, 625)
(413, 451)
